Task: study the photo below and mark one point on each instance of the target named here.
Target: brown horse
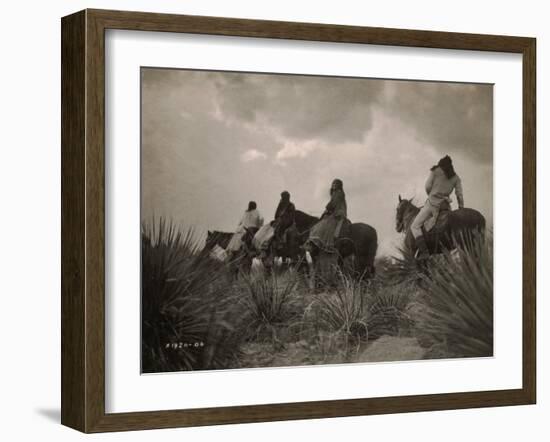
(441, 237)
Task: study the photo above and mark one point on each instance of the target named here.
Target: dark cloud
(302, 107)
(191, 159)
(454, 118)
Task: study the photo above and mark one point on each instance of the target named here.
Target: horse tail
(366, 259)
(482, 224)
(481, 227)
(372, 255)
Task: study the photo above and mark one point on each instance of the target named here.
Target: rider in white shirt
(440, 184)
(251, 219)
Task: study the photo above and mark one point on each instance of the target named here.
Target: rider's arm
(458, 193)
(429, 183)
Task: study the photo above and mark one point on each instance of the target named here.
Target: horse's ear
(399, 197)
(209, 233)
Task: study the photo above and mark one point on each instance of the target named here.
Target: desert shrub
(403, 269)
(184, 303)
(458, 297)
(268, 303)
(388, 310)
(344, 310)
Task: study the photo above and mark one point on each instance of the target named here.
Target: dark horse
(361, 243)
(289, 245)
(441, 237)
(296, 236)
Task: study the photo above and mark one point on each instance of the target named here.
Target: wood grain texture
(95, 222)
(73, 128)
(529, 220)
(144, 21)
(83, 220)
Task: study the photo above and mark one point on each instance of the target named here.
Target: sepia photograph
(299, 220)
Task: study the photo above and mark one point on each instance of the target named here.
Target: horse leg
(360, 267)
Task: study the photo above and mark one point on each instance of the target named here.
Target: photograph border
(83, 219)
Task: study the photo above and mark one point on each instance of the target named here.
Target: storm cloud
(212, 141)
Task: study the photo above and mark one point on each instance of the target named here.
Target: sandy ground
(392, 348)
(384, 349)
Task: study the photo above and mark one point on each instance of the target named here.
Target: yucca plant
(388, 313)
(182, 302)
(267, 302)
(402, 269)
(459, 300)
(345, 310)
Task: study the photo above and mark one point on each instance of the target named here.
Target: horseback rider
(251, 221)
(284, 216)
(440, 184)
(329, 227)
(337, 206)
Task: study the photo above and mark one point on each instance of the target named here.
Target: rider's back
(439, 187)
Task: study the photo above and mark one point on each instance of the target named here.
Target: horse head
(210, 239)
(403, 207)
(216, 238)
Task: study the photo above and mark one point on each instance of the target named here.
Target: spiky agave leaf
(403, 269)
(459, 300)
(267, 302)
(345, 310)
(388, 313)
(182, 301)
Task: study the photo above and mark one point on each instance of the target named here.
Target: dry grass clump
(345, 310)
(389, 313)
(269, 304)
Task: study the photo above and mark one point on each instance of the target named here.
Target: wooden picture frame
(83, 220)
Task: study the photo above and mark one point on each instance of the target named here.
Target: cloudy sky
(212, 141)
